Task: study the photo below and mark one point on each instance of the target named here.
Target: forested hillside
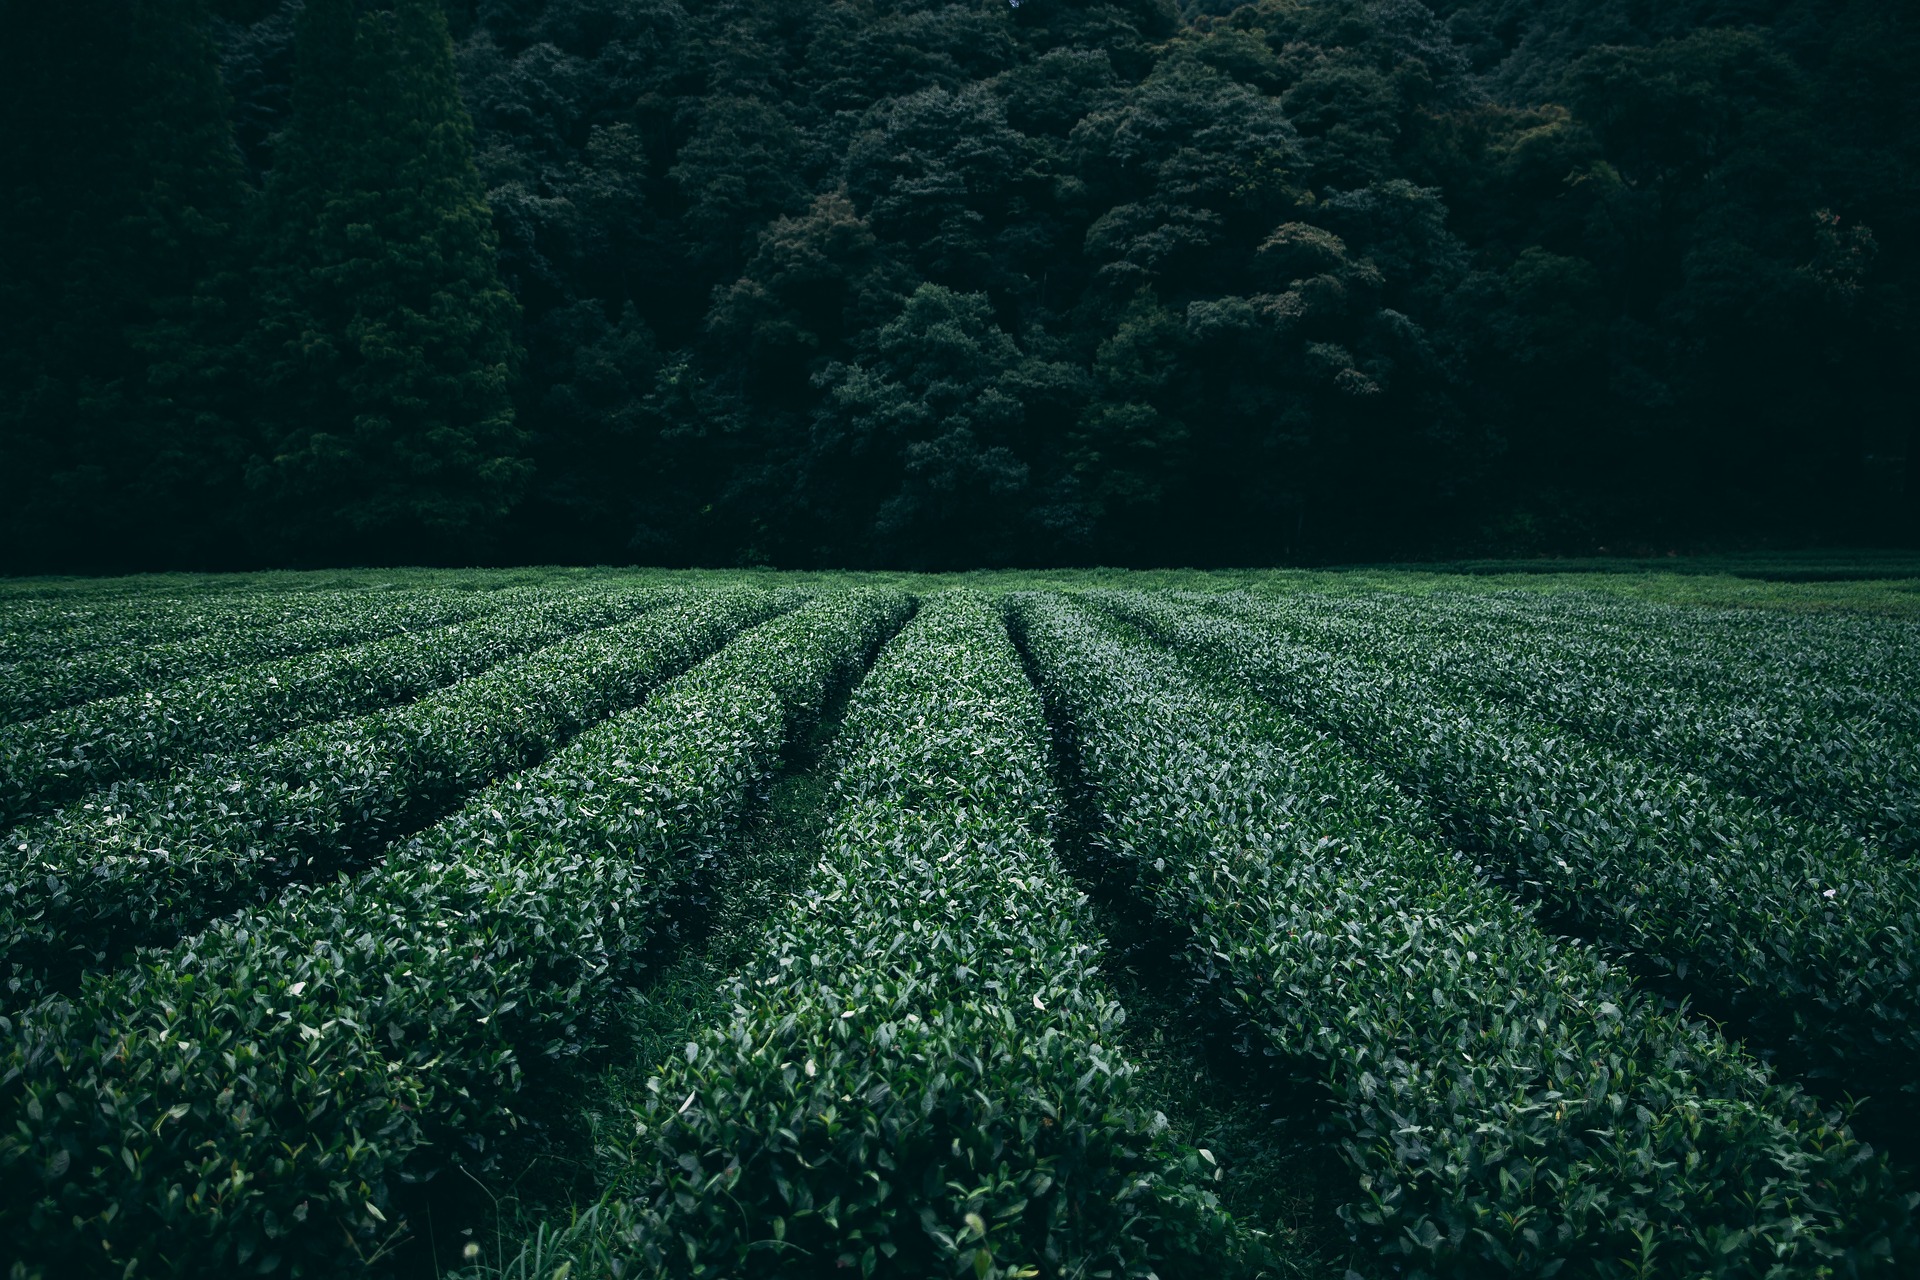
(930, 284)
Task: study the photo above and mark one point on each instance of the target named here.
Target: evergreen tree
(386, 338)
(192, 202)
(123, 187)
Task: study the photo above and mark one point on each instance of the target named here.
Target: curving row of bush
(72, 617)
(1834, 752)
(250, 1101)
(39, 685)
(1841, 650)
(1510, 1102)
(57, 757)
(147, 862)
(1839, 666)
(36, 630)
(1803, 936)
(922, 1078)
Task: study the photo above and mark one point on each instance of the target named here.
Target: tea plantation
(538, 925)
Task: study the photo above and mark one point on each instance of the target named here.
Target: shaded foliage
(385, 338)
(940, 283)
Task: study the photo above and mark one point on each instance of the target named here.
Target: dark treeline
(936, 284)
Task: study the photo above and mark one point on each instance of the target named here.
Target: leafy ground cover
(1806, 935)
(1505, 1097)
(143, 864)
(920, 1073)
(1809, 715)
(97, 662)
(584, 923)
(56, 757)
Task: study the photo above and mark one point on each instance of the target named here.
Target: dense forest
(942, 283)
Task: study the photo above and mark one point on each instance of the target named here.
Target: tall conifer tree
(386, 338)
(192, 199)
(121, 193)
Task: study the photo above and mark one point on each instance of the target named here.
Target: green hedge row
(1719, 652)
(39, 630)
(148, 862)
(1809, 647)
(1511, 1104)
(52, 760)
(1828, 751)
(922, 1078)
(37, 686)
(247, 1102)
(1846, 664)
(1801, 934)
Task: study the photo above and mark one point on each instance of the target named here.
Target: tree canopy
(943, 283)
